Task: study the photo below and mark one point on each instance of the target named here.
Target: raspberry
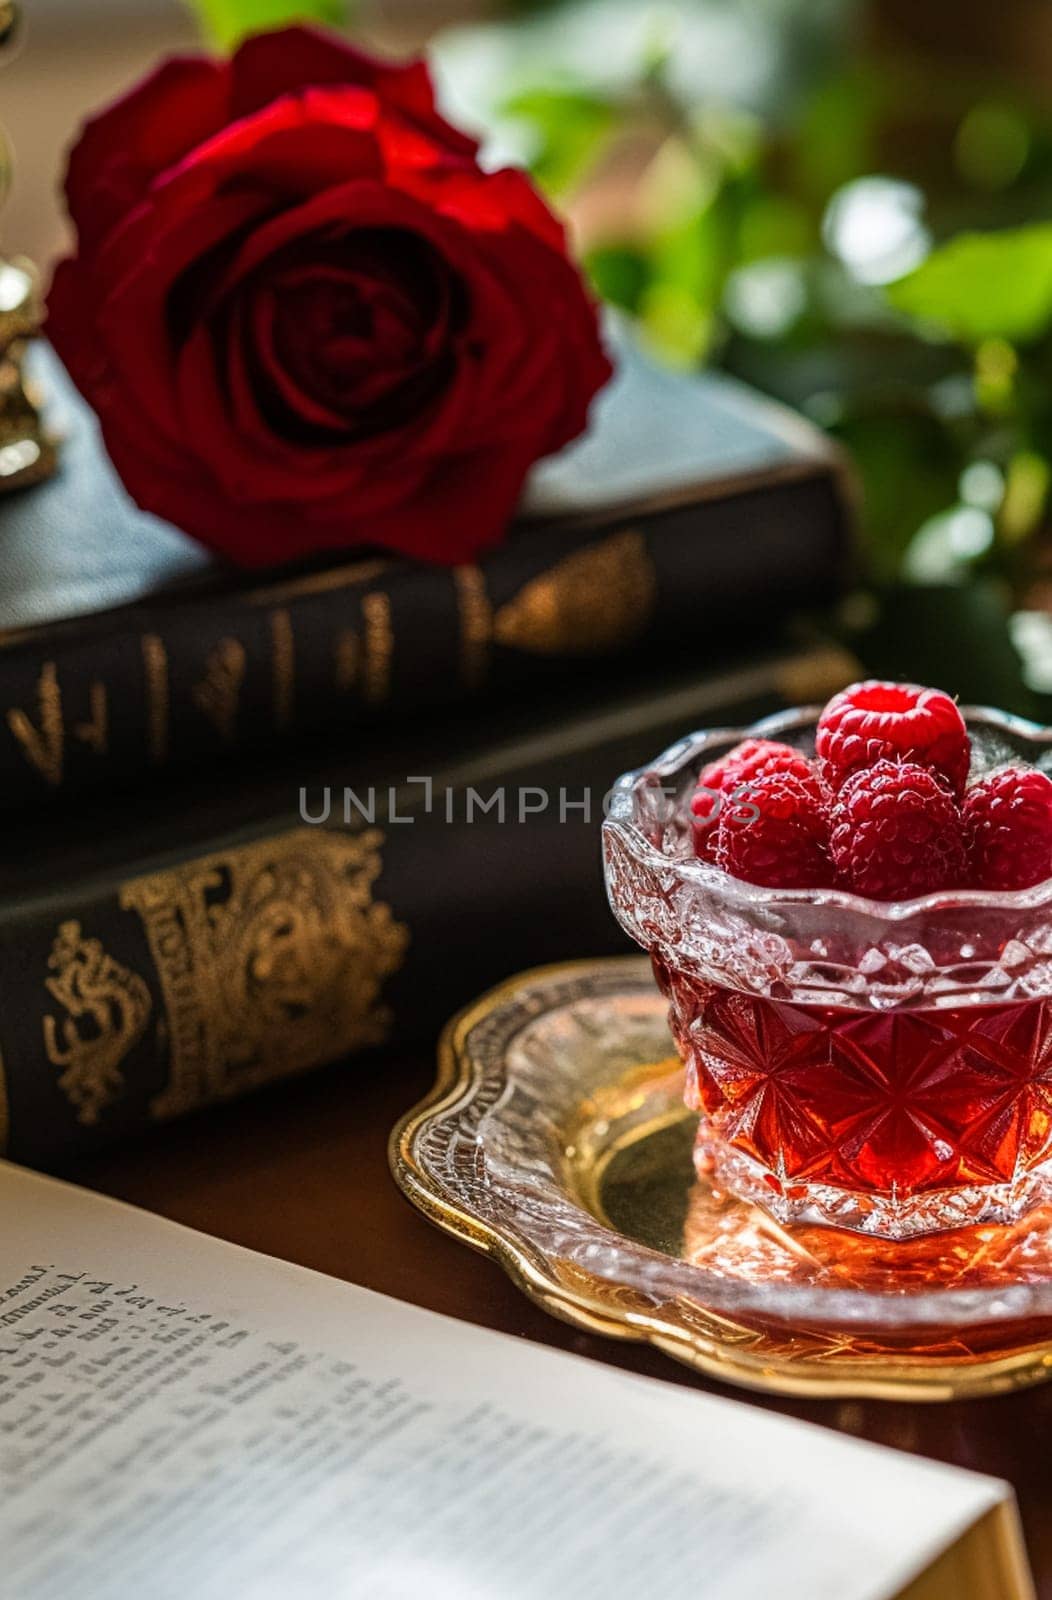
(1008, 828)
(753, 758)
(776, 832)
(705, 814)
(872, 721)
(896, 832)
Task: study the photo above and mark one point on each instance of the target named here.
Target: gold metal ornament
(556, 1140)
(27, 452)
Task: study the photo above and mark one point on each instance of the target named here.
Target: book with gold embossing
(692, 509)
(159, 958)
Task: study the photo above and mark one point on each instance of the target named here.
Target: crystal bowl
(879, 1066)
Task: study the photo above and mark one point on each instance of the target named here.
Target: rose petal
(124, 147)
(307, 318)
(269, 65)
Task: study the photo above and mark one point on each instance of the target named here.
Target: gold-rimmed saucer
(555, 1140)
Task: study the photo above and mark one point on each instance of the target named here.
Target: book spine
(179, 988)
(162, 989)
(160, 687)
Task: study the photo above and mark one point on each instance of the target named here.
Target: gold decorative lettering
(219, 691)
(592, 602)
(283, 656)
(155, 663)
(107, 1008)
(271, 959)
(476, 624)
(379, 644)
(95, 731)
(43, 745)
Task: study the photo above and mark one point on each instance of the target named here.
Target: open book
(180, 1417)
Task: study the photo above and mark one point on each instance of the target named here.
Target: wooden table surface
(301, 1173)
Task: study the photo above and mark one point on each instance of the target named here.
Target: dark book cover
(154, 960)
(693, 512)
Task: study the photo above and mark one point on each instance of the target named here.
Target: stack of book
(255, 824)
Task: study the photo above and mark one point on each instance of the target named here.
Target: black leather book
(156, 960)
(693, 515)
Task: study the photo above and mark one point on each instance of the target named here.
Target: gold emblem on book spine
(271, 959)
(592, 602)
(107, 1008)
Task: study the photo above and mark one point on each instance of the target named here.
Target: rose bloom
(306, 317)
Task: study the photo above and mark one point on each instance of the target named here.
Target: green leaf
(227, 22)
(569, 127)
(619, 274)
(984, 285)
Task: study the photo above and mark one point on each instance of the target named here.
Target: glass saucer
(555, 1139)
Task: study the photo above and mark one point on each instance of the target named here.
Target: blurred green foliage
(984, 286)
(848, 229)
(226, 22)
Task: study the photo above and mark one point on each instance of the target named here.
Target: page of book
(180, 1417)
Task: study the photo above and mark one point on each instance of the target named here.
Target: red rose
(304, 314)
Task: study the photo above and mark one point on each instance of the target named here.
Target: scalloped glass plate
(556, 1140)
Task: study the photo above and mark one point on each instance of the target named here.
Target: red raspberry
(705, 814)
(872, 721)
(753, 758)
(1008, 828)
(896, 832)
(776, 832)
